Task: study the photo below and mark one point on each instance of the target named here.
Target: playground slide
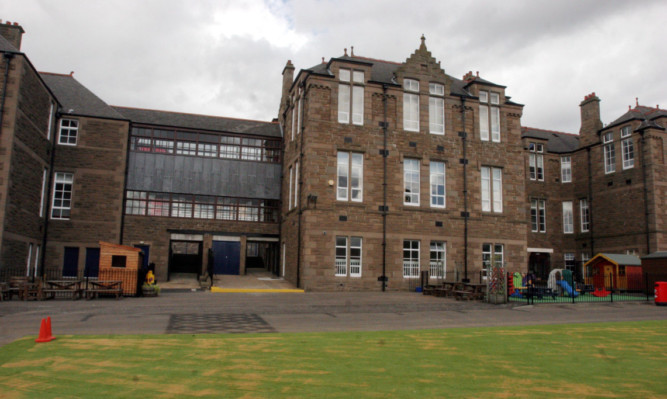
(564, 284)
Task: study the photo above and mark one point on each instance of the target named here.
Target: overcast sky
(225, 58)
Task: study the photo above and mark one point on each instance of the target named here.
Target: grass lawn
(618, 360)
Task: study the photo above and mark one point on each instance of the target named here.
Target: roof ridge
(191, 114)
(68, 75)
(375, 59)
(549, 131)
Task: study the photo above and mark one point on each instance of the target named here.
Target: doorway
(540, 264)
(185, 257)
(226, 257)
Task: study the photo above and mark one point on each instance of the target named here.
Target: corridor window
(410, 258)
(62, 195)
(350, 175)
(489, 116)
(492, 189)
(568, 218)
(566, 169)
(609, 153)
(411, 105)
(69, 129)
(436, 108)
(438, 184)
(538, 215)
(411, 181)
(536, 161)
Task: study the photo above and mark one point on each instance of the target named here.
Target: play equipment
(567, 288)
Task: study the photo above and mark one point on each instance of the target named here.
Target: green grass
(621, 360)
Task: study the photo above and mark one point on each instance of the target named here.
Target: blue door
(71, 262)
(92, 262)
(146, 250)
(226, 257)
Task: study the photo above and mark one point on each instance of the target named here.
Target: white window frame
(609, 153)
(492, 189)
(410, 265)
(627, 148)
(28, 262)
(36, 264)
(438, 180)
(294, 111)
(291, 187)
(296, 184)
(352, 261)
(492, 255)
(42, 198)
(489, 116)
(59, 195)
(411, 181)
(438, 260)
(569, 257)
(341, 262)
(356, 261)
(436, 108)
(584, 215)
(351, 96)
(568, 217)
(349, 176)
(50, 127)
(566, 169)
(538, 215)
(70, 128)
(411, 105)
(536, 161)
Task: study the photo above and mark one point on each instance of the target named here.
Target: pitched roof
(200, 122)
(384, 72)
(656, 255)
(76, 99)
(557, 142)
(620, 259)
(639, 112)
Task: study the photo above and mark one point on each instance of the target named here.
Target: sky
(225, 58)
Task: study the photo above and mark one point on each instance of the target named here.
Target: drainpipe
(384, 189)
(8, 59)
(127, 169)
(300, 181)
(644, 178)
(466, 215)
(590, 200)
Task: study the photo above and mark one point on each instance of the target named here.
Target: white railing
(410, 269)
(341, 267)
(437, 269)
(355, 267)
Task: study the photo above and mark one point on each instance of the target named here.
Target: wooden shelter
(655, 267)
(120, 263)
(617, 271)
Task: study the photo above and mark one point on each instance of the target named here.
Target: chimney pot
(16, 24)
(323, 60)
(9, 23)
(352, 51)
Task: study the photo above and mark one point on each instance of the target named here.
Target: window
(410, 258)
(350, 176)
(204, 207)
(36, 264)
(230, 147)
(29, 261)
(181, 206)
(492, 189)
(296, 184)
(627, 148)
(291, 188)
(438, 184)
(341, 256)
(118, 260)
(568, 218)
(538, 215)
(158, 204)
(566, 169)
(569, 262)
(609, 153)
(43, 193)
(411, 181)
(135, 203)
(489, 116)
(49, 127)
(354, 256)
(68, 131)
(411, 105)
(492, 256)
(299, 108)
(351, 96)
(294, 111)
(436, 108)
(438, 264)
(536, 161)
(62, 195)
(584, 213)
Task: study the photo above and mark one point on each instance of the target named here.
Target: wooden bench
(53, 288)
(104, 287)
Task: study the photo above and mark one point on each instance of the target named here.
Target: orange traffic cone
(45, 331)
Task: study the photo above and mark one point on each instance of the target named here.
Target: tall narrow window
(438, 263)
(62, 195)
(411, 105)
(492, 256)
(568, 218)
(294, 111)
(350, 176)
(489, 116)
(69, 129)
(438, 184)
(536, 161)
(351, 96)
(351, 254)
(411, 181)
(341, 256)
(49, 127)
(585, 215)
(28, 262)
(43, 193)
(355, 256)
(410, 258)
(628, 148)
(296, 184)
(569, 261)
(566, 169)
(299, 109)
(36, 264)
(538, 215)
(492, 189)
(436, 108)
(609, 153)
(291, 188)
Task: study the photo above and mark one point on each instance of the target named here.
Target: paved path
(206, 312)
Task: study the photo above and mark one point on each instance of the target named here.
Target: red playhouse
(614, 271)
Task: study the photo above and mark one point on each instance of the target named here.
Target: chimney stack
(590, 120)
(288, 79)
(12, 32)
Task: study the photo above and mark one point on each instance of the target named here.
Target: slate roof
(622, 259)
(76, 99)
(200, 122)
(6, 46)
(557, 142)
(656, 255)
(639, 112)
(383, 72)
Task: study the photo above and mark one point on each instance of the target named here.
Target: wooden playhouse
(120, 263)
(614, 271)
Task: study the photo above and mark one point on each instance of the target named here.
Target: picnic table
(97, 287)
(470, 291)
(30, 290)
(446, 289)
(68, 287)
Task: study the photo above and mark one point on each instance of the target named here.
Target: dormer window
(489, 116)
(411, 105)
(351, 96)
(436, 108)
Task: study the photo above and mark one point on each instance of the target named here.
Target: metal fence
(566, 288)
